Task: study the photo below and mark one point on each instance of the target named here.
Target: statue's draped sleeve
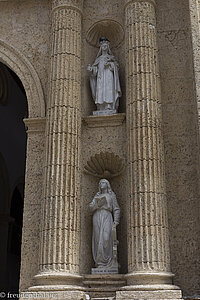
(117, 83)
(93, 79)
(116, 209)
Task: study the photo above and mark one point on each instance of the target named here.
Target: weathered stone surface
(25, 46)
(32, 201)
(179, 106)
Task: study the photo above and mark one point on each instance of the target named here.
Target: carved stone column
(60, 236)
(148, 252)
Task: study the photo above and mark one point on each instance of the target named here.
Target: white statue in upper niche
(104, 80)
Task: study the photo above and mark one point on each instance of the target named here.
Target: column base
(49, 295)
(149, 295)
(149, 285)
(66, 285)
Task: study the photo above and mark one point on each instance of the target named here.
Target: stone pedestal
(148, 252)
(103, 286)
(60, 233)
(104, 112)
(112, 270)
(104, 121)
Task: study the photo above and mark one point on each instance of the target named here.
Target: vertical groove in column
(60, 235)
(148, 248)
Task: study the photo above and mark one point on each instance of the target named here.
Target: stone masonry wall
(25, 25)
(180, 140)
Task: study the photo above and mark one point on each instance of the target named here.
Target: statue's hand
(111, 66)
(89, 68)
(107, 64)
(115, 224)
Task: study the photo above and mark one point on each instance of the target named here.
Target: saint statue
(105, 219)
(104, 80)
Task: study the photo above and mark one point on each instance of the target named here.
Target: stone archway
(35, 123)
(13, 108)
(28, 76)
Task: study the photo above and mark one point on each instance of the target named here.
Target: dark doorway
(13, 109)
(14, 240)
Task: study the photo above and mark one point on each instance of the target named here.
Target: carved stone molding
(111, 29)
(104, 121)
(35, 125)
(127, 2)
(16, 61)
(73, 4)
(104, 165)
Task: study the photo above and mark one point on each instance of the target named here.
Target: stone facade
(48, 44)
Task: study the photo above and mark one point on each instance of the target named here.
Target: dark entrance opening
(13, 109)
(14, 240)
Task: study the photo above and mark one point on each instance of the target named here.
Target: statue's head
(104, 184)
(104, 43)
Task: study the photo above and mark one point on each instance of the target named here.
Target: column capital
(127, 2)
(73, 4)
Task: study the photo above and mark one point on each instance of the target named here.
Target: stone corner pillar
(149, 275)
(60, 230)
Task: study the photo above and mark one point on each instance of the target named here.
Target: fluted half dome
(104, 165)
(110, 29)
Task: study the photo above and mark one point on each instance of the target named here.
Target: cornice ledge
(105, 121)
(73, 4)
(35, 124)
(127, 2)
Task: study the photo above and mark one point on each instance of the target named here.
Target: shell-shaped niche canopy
(110, 29)
(104, 165)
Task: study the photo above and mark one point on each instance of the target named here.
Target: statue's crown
(103, 39)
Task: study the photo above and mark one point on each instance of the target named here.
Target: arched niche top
(104, 165)
(108, 28)
(16, 61)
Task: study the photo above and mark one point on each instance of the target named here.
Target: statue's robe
(104, 81)
(102, 240)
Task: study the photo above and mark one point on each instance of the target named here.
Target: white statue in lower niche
(105, 219)
(104, 80)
